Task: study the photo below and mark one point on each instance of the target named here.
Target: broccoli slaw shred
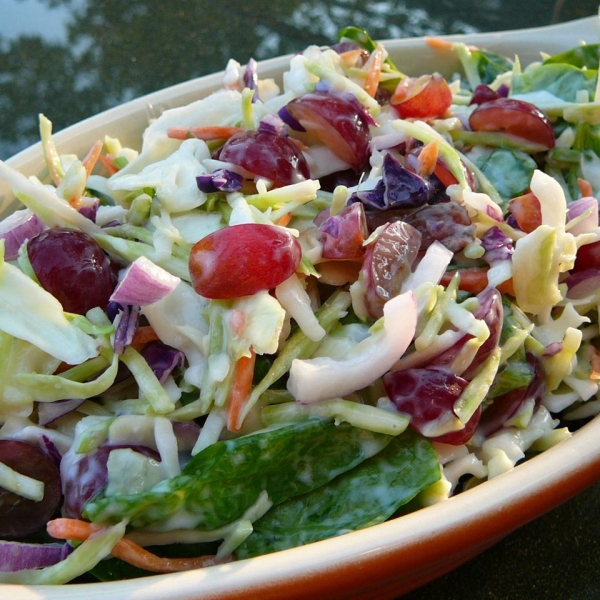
(295, 308)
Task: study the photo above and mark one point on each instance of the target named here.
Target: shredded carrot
(240, 389)
(373, 66)
(128, 551)
(89, 162)
(585, 187)
(284, 220)
(108, 162)
(351, 57)
(438, 43)
(428, 157)
(215, 132)
(474, 280)
(143, 336)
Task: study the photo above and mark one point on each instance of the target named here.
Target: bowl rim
(551, 478)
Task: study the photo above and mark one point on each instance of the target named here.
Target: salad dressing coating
(298, 309)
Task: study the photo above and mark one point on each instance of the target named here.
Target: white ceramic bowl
(387, 560)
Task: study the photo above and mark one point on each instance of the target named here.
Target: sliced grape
(73, 268)
(515, 117)
(266, 154)
(387, 263)
(20, 516)
(337, 122)
(426, 394)
(242, 260)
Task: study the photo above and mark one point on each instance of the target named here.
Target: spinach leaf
(516, 374)
(224, 480)
(509, 171)
(490, 65)
(583, 56)
(560, 80)
(366, 495)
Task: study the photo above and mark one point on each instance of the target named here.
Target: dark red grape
(242, 260)
(337, 122)
(427, 394)
(515, 117)
(20, 516)
(447, 222)
(387, 263)
(483, 93)
(588, 257)
(268, 155)
(73, 268)
(462, 436)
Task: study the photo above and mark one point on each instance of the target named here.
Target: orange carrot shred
(475, 280)
(128, 551)
(438, 43)
(585, 187)
(427, 160)
(203, 133)
(89, 162)
(240, 390)
(143, 336)
(351, 57)
(284, 220)
(108, 162)
(374, 70)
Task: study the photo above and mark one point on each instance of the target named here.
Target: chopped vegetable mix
(297, 309)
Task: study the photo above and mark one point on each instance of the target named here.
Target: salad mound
(297, 310)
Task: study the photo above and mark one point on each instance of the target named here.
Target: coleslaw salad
(338, 347)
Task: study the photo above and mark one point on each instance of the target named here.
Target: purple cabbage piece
(403, 188)
(163, 359)
(127, 325)
(84, 479)
(48, 412)
(18, 227)
(342, 235)
(583, 283)
(51, 450)
(497, 245)
(345, 46)
(284, 115)
(373, 198)
(219, 180)
(18, 556)
(251, 78)
(88, 207)
(398, 188)
(273, 124)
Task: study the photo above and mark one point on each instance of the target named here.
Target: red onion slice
(18, 227)
(144, 283)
